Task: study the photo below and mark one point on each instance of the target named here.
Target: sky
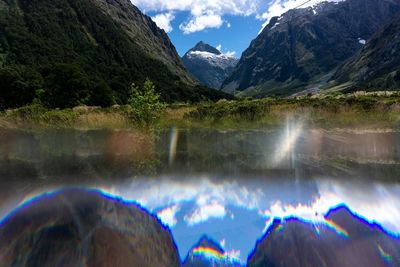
(237, 212)
(230, 24)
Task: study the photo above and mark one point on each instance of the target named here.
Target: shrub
(145, 104)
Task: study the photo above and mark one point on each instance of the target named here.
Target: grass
(361, 110)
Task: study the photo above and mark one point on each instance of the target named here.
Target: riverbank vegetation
(377, 110)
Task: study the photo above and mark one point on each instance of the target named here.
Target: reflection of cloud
(167, 215)
(376, 203)
(211, 199)
(222, 243)
(164, 192)
(233, 254)
(205, 212)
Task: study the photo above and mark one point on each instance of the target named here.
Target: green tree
(18, 85)
(145, 104)
(66, 86)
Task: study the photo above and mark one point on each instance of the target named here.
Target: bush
(145, 104)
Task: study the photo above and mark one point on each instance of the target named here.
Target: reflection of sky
(237, 211)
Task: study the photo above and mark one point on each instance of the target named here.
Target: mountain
(304, 46)
(77, 227)
(344, 240)
(377, 65)
(85, 52)
(209, 65)
(208, 253)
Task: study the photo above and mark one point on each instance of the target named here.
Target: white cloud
(204, 13)
(205, 212)
(230, 53)
(202, 22)
(164, 20)
(167, 215)
(197, 7)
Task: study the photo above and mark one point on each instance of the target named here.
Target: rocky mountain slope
(209, 65)
(344, 240)
(91, 49)
(77, 227)
(306, 45)
(208, 253)
(377, 65)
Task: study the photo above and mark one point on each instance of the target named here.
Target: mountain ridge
(303, 45)
(209, 65)
(89, 52)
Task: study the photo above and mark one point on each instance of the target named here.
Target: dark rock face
(77, 227)
(209, 65)
(146, 34)
(377, 65)
(304, 46)
(208, 253)
(354, 243)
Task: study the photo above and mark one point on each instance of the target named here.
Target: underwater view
(219, 197)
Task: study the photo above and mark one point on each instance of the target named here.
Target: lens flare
(286, 146)
(173, 145)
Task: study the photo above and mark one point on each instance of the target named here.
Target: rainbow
(386, 256)
(335, 227)
(210, 253)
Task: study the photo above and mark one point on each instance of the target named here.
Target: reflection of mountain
(84, 228)
(208, 253)
(343, 240)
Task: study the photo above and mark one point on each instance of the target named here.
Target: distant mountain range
(86, 52)
(209, 65)
(304, 47)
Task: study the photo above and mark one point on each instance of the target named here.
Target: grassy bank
(335, 111)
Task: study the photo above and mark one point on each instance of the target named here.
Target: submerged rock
(77, 227)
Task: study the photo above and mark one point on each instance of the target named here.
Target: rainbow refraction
(210, 253)
(337, 228)
(385, 256)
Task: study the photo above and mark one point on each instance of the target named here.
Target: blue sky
(233, 24)
(235, 38)
(236, 212)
